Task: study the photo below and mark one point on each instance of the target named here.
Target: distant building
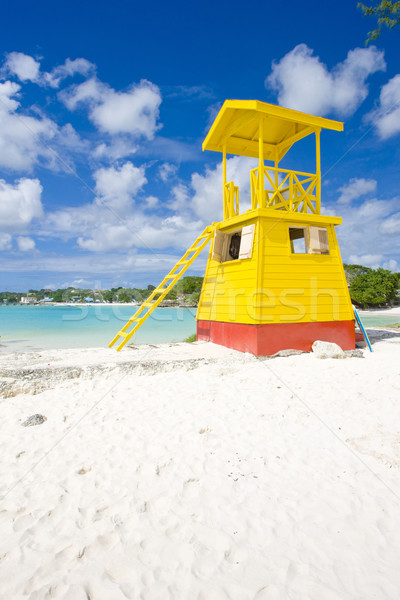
(89, 299)
(28, 300)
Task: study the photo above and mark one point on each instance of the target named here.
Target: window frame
(220, 251)
(321, 248)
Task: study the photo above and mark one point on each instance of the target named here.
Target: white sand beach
(390, 312)
(190, 471)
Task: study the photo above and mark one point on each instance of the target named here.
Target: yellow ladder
(162, 290)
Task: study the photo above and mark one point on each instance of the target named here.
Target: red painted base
(264, 340)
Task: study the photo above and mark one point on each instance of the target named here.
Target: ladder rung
(134, 319)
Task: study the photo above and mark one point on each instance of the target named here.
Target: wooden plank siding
(275, 285)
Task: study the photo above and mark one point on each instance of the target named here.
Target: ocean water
(26, 328)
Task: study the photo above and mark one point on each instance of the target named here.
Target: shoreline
(373, 311)
(80, 304)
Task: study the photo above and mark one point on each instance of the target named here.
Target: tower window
(234, 245)
(309, 240)
(297, 237)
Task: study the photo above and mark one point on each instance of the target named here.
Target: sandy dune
(193, 472)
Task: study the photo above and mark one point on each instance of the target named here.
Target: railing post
(236, 191)
(261, 162)
(231, 193)
(253, 187)
(318, 172)
(225, 200)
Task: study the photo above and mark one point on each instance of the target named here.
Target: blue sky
(104, 106)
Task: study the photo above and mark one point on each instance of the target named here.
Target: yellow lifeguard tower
(274, 278)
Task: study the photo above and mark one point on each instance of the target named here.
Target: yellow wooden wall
(275, 285)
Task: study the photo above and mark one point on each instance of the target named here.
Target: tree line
(368, 288)
(189, 287)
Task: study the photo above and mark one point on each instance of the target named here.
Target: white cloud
(127, 225)
(26, 68)
(98, 229)
(392, 225)
(386, 118)
(304, 83)
(19, 136)
(90, 91)
(367, 260)
(368, 234)
(5, 241)
(102, 231)
(107, 237)
(117, 186)
(180, 197)
(392, 265)
(25, 244)
(151, 201)
(112, 263)
(167, 171)
(120, 147)
(24, 140)
(355, 188)
(68, 69)
(23, 66)
(134, 112)
(20, 203)
(207, 200)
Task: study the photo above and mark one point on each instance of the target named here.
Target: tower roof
(238, 122)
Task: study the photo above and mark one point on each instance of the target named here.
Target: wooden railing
(231, 200)
(285, 190)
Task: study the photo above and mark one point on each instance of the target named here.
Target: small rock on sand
(330, 350)
(327, 350)
(34, 420)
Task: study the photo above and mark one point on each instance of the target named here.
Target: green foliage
(387, 12)
(58, 296)
(108, 295)
(194, 298)
(189, 286)
(352, 271)
(11, 297)
(172, 294)
(374, 288)
(190, 339)
(124, 295)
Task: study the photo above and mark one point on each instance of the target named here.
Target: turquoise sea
(38, 327)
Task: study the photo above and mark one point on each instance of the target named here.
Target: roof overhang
(236, 129)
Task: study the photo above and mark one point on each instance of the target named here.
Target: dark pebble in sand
(34, 420)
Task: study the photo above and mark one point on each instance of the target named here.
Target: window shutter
(323, 241)
(246, 243)
(318, 240)
(218, 246)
